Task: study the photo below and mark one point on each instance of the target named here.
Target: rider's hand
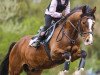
(63, 13)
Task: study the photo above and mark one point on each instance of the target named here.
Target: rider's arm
(67, 10)
(52, 9)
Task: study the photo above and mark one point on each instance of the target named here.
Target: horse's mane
(88, 9)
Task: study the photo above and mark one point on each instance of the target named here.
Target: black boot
(35, 42)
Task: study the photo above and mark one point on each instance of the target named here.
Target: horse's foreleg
(82, 61)
(75, 55)
(66, 68)
(67, 57)
(34, 73)
(81, 64)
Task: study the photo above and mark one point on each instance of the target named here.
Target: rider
(55, 10)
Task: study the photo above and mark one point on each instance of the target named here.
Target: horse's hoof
(79, 72)
(65, 72)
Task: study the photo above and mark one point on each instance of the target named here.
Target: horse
(67, 37)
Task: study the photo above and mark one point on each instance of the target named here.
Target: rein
(79, 30)
(65, 33)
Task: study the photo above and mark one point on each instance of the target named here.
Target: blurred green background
(19, 18)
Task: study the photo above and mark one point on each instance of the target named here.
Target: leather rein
(78, 29)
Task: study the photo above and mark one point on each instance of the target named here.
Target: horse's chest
(72, 49)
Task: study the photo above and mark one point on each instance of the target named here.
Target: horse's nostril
(91, 43)
(87, 40)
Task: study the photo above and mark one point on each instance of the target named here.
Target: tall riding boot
(35, 42)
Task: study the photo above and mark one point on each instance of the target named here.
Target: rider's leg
(48, 20)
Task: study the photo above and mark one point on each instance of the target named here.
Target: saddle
(48, 33)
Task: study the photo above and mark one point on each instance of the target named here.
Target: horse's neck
(73, 21)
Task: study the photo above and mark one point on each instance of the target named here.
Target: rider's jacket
(56, 7)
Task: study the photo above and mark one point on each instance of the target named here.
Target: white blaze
(90, 23)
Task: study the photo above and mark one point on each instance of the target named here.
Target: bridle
(78, 29)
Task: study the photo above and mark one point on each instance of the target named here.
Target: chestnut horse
(66, 38)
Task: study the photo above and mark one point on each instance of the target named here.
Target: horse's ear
(84, 9)
(94, 9)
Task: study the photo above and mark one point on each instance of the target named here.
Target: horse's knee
(83, 54)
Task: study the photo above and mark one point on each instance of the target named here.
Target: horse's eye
(93, 26)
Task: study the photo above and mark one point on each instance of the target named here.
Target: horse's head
(86, 24)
